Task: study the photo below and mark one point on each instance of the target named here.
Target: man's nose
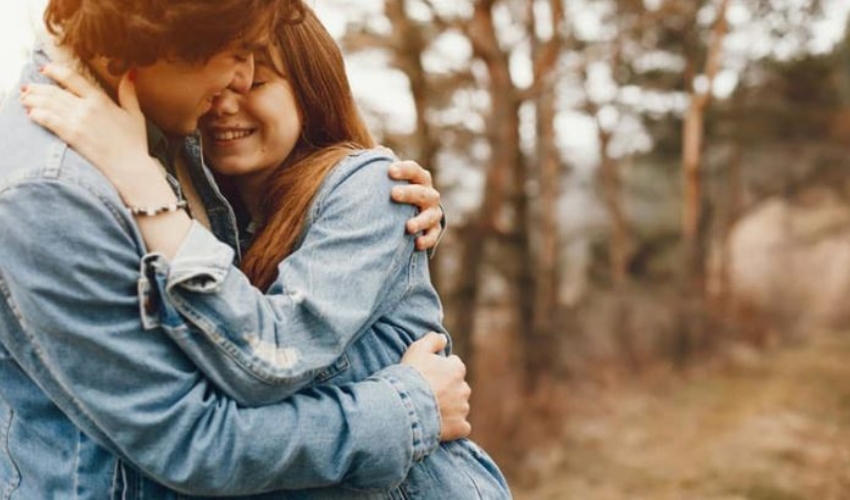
(225, 103)
(243, 76)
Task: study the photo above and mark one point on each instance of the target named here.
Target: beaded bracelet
(152, 211)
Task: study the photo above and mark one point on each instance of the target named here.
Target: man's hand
(420, 193)
(446, 376)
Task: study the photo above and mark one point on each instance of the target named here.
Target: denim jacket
(96, 402)
(347, 303)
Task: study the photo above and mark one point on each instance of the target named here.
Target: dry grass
(774, 428)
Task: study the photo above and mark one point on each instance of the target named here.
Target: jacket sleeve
(351, 265)
(69, 268)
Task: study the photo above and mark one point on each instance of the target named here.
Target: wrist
(154, 210)
(145, 186)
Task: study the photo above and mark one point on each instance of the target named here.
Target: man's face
(174, 94)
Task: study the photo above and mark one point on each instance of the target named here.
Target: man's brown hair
(140, 32)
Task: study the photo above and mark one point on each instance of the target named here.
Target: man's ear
(117, 67)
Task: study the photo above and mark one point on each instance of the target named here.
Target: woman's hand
(420, 193)
(111, 136)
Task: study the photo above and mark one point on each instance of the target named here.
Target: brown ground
(768, 426)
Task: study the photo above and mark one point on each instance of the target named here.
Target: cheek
(278, 143)
(285, 131)
(294, 128)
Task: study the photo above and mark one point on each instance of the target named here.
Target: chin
(185, 127)
(189, 129)
(229, 169)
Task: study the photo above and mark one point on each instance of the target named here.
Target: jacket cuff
(444, 223)
(201, 263)
(421, 406)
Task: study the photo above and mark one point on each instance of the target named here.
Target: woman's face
(246, 134)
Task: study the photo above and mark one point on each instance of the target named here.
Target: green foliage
(795, 100)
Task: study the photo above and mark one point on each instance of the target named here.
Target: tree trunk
(691, 150)
(542, 342)
(410, 43)
(692, 138)
(503, 137)
(619, 244)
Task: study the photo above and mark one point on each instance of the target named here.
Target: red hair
(331, 129)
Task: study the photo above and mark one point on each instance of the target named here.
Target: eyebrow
(261, 56)
(256, 45)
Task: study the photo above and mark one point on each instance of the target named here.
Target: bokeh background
(647, 266)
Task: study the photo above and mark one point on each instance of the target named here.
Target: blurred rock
(790, 260)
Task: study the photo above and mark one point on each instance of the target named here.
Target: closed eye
(242, 57)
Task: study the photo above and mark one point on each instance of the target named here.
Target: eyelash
(257, 85)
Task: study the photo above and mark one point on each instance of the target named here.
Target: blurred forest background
(645, 197)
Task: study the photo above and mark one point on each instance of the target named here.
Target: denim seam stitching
(76, 466)
(419, 448)
(113, 487)
(4, 435)
(115, 211)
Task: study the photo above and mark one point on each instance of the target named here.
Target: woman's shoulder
(361, 178)
(366, 167)
(358, 159)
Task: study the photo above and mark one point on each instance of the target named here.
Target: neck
(249, 191)
(252, 189)
(98, 67)
(94, 70)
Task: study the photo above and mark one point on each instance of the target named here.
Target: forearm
(163, 233)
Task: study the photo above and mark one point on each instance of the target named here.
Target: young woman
(339, 291)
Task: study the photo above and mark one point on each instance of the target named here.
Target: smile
(231, 134)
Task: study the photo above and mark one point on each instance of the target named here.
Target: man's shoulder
(31, 154)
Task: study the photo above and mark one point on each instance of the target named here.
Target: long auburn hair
(331, 129)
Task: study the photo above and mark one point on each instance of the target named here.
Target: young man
(95, 401)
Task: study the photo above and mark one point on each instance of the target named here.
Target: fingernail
(394, 170)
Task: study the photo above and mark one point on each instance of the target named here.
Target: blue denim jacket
(96, 404)
(347, 303)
